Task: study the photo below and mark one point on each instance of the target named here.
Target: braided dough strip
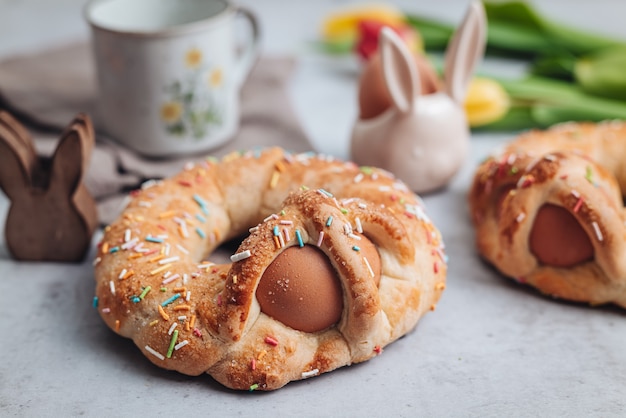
(576, 166)
(195, 317)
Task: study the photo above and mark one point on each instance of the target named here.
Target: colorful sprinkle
(369, 267)
(200, 218)
(170, 350)
(170, 300)
(200, 233)
(320, 239)
(240, 256)
(589, 174)
(299, 238)
(325, 193)
(150, 238)
(160, 269)
(145, 292)
(597, 230)
(310, 373)
(271, 341)
(578, 204)
(359, 227)
(356, 248)
(95, 302)
(254, 387)
(181, 345)
(201, 203)
(154, 352)
(329, 221)
(163, 314)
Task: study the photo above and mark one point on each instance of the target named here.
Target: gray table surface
(491, 348)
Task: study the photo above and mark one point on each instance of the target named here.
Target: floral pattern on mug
(193, 105)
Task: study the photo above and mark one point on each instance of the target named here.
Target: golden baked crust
(194, 316)
(579, 167)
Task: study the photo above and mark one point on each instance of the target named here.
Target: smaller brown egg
(557, 239)
(374, 97)
(301, 289)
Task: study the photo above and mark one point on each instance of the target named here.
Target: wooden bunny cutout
(422, 139)
(52, 215)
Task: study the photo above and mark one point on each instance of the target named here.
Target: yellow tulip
(486, 102)
(343, 25)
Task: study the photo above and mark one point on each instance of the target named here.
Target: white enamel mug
(170, 71)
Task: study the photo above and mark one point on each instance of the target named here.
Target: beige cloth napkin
(46, 90)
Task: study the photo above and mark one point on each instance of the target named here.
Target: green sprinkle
(172, 343)
(589, 174)
(254, 387)
(170, 300)
(282, 212)
(344, 211)
(145, 292)
(366, 170)
(514, 170)
(303, 187)
(163, 289)
(329, 221)
(299, 237)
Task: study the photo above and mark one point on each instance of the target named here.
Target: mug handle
(249, 55)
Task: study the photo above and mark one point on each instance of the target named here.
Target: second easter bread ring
(548, 211)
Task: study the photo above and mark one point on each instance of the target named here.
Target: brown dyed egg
(557, 239)
(374, 97)
(301, 289)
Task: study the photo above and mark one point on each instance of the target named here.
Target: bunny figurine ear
(71, 158)
(399, 70)
(464, 51)
(18, 158)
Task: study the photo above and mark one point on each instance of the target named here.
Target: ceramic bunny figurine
(422, 139)
(52, 215)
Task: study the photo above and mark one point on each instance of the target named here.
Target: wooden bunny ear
(71, 158)
(399, 70)
(18, 158)
(464, 51)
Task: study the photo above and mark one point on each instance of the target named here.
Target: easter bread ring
(328, 275)
(548, 211)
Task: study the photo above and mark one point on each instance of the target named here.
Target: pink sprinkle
(320, 239)
(579, 203)
(197, 332)
(253, 364)
(271, 341)
(436, 267)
